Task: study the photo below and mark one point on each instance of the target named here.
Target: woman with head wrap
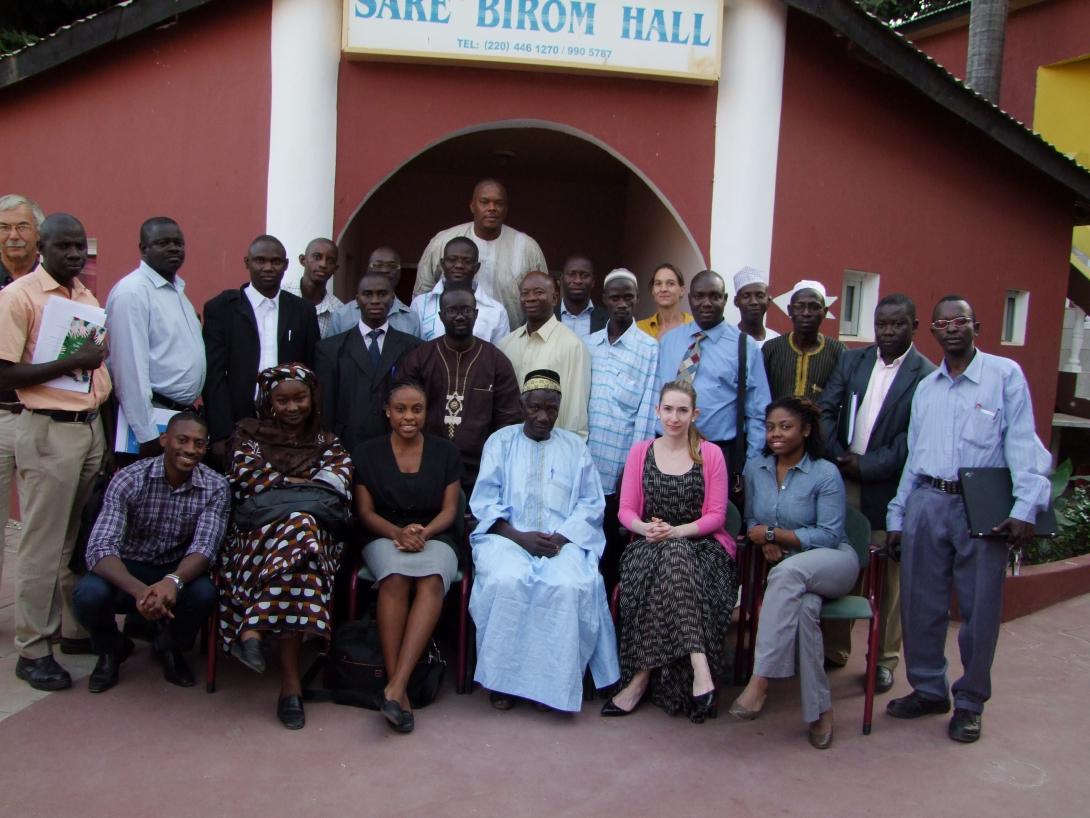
(280, 557)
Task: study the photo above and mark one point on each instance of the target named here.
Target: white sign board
(670, 39)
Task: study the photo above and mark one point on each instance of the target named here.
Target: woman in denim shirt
(795, 515)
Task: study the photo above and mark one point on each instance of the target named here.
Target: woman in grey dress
(795, 515)
(407, 492)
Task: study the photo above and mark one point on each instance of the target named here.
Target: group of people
(584, 450)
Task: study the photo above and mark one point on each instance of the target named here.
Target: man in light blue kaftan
(538, 601)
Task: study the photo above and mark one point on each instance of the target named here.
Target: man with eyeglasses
(973, 411)
(386, 261)
(19, 221)
(248, 330)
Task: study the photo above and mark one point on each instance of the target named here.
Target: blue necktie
(376, 353)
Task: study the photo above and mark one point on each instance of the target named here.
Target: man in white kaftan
(505, 253)
(538, 601)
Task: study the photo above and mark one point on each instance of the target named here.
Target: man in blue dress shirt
(705, 353)
(973, 411)
(156, 349)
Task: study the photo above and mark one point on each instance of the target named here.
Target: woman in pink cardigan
(678, 578)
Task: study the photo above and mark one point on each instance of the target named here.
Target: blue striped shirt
(622, 398)
(981, 418)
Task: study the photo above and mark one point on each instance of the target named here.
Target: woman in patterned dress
(678, 578)
(278, 577)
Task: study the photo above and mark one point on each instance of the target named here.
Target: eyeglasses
(959, 322)
(22, 228)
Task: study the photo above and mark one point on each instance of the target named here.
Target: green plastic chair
(850, 607)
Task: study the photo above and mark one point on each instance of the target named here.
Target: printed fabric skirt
(278, 579)
(677, 597)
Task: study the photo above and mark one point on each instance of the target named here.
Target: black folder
(989, 497)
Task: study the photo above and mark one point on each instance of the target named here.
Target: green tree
(23, 22)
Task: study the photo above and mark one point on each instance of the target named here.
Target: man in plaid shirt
(161, 524)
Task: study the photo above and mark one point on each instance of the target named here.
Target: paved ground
(147, 748)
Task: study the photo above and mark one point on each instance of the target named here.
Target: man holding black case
(973, 411)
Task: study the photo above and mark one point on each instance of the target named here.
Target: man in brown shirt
(59, 447)
(470, 385)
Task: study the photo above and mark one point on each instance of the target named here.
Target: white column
(747, 137)
(305, 57)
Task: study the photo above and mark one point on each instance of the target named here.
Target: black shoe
(108, 667)
(397, 717)
(883, 680)
(964, 726)
(609, 709)
(248, 651)
(704, 706)
(175, 669)
(914, 705)
(289, 709)
(76, 647)
(43, 674)
(501, 701)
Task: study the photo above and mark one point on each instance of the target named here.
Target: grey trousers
(790, 620)
(938, 554)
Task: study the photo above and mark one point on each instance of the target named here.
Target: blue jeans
(97, 603)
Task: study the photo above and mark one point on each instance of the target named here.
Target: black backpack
(355, 673)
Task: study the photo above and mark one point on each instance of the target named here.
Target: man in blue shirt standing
(157, 357)
(973, 411)
(705, 353)
(623, 366)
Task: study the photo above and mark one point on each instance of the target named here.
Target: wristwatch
(177, 580)
(770, 534)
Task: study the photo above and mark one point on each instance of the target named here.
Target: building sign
(671, 39)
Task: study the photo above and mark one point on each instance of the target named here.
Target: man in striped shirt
(623, 363)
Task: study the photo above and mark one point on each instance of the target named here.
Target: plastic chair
(848, 607)
(463, 580)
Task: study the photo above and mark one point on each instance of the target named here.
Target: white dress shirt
(381, 340)
(267, 313)
(492, 324)
(881, 379)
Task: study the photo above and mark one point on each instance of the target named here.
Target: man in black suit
(576, 311)
(357, 367)
(248, 330)
(864, 413)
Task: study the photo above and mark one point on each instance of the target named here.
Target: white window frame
(858, 299)
(1015, 317)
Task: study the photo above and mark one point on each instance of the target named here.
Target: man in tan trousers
(59, 447)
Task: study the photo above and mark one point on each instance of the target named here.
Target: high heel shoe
(611, 709)
(705, 705)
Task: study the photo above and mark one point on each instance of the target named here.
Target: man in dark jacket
(248, 330)
(865, 411)
(357, 367)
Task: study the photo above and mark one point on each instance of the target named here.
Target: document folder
(989, 497)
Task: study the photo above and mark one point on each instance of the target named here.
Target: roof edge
(914, 67)
(88, 34)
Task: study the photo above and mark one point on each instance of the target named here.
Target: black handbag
(355, 673)
(323, 502)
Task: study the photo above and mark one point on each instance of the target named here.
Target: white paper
(125, 439)
(853, 409)
(65, 325)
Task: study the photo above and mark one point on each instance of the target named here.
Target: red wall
(1037, 35)
(388, 113)
(171, 121)
(871, 177)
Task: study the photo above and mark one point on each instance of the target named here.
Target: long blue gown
(540, 620)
